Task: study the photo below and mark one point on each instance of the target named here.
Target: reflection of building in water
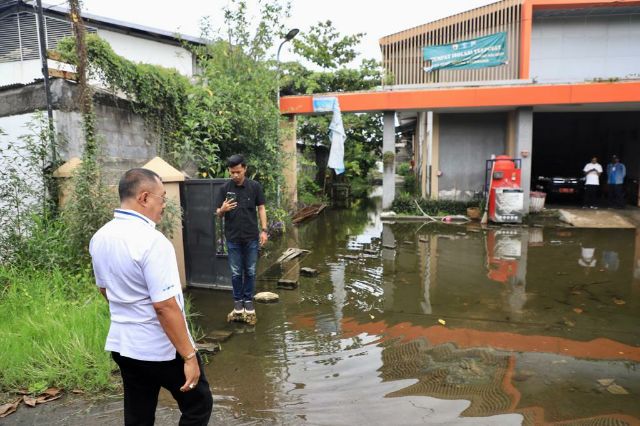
(507, 263)
(339, 299)
(636, 266)
(389, 265)
(427, 247)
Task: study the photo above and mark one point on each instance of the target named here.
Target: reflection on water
(413, 323)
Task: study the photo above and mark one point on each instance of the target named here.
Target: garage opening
(564, 142)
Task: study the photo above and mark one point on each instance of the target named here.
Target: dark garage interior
(564, 142)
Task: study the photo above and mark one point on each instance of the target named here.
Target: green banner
(488, 51)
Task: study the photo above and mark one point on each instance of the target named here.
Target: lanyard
(132, 214)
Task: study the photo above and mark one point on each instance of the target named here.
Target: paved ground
(601, 218)
(72, 410)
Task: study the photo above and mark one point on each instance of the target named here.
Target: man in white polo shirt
(136, 271)
(592, 172)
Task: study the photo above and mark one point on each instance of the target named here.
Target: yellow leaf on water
(372, 317)
(618, 301)
(617, 390)
(605, 382)
(441, 321)
(577, 310)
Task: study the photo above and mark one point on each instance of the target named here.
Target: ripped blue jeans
(243, 258)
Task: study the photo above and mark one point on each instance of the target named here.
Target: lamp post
(290, 35)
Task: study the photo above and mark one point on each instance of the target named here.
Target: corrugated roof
(13, 6)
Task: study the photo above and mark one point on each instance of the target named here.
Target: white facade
(20, 72)
(138, 49)
(20, 57)
(584, 48)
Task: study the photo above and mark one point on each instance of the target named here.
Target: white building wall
(148, 51)
(14, 128)
(575, 49)
(20, 72)
(133, 48)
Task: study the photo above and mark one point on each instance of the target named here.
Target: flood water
(412, 323)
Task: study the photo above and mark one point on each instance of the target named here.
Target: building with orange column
(553, 82)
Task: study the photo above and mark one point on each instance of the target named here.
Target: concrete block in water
(309, 272)
(287, 284)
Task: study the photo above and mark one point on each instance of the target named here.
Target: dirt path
(72, 410)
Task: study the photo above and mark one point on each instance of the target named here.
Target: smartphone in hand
(231, 196)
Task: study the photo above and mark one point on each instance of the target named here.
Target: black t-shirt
(241, 223)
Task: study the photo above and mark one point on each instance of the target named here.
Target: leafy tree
(324, 46)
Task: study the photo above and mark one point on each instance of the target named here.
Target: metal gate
(205, 252)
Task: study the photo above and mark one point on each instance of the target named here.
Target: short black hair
(236, 159)
(131, 181)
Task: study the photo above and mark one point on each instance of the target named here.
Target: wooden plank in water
(307, 212)
(291, 253)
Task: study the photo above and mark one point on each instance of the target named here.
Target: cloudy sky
(373, 17)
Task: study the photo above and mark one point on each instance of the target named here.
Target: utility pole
(45, 76)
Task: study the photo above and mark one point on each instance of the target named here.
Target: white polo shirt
(137, 266)
(592, 177)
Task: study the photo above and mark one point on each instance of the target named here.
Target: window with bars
(19, 35)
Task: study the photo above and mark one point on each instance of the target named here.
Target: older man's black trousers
(142, 381)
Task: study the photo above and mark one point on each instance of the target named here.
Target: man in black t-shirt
(238, 201)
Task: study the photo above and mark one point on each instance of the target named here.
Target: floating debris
(441, 321)
(617, 390)
(606, 382)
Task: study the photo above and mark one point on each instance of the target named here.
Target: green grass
(52, 331)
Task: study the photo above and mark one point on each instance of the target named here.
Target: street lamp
(290, 35)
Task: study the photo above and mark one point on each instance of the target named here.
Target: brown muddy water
(449, 324)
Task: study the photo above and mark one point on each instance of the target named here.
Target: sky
(373, 17)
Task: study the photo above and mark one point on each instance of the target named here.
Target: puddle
(410, 324)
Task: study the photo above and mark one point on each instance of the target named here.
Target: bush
(405, 204)
(404, 169)
(410, 183)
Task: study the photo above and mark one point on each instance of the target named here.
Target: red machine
(506, 198)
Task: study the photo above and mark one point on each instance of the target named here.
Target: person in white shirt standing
(136, 271)
(592, 172)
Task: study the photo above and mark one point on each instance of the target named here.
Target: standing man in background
(240, 202)
(616, 172)
(592, 172)
(136, 271)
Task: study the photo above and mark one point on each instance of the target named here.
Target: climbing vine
(228, 107)
(158, 94)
